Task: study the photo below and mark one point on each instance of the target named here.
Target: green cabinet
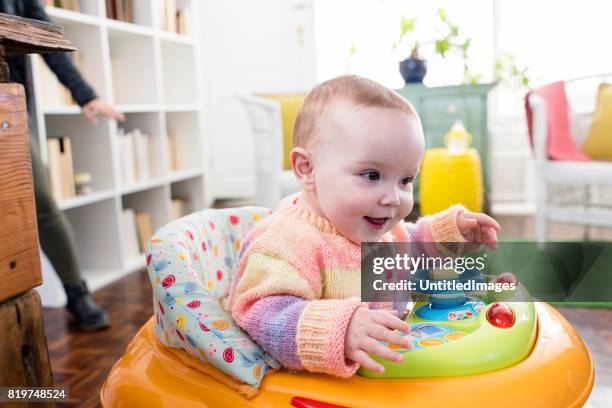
(439, 107)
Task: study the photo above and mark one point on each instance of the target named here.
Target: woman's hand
(478, 228)
(364, 333)
(92, 108)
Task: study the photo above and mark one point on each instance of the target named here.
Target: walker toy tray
(469, 337)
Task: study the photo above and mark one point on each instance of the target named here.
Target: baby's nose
(391, 198)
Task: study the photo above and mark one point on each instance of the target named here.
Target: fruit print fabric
(190, 263)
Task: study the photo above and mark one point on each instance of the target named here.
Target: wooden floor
(81, 361)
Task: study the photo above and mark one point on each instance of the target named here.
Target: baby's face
(364, 164)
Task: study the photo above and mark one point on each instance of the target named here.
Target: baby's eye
(371, 175)
(407, 180)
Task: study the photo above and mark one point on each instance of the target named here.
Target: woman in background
(54, 231)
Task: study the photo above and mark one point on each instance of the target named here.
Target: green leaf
(442, 46)
(499, 64)
(466, 45)
(454, 30)
(475, 79)
(442, 14)
(507, 69)
(406, 25)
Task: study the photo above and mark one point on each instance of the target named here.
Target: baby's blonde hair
(350, 88)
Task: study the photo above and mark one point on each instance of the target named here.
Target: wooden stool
(23, 345)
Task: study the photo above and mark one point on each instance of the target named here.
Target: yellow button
(430, 342)
(454, 335)
(394, 346)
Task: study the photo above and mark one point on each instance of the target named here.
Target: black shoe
(88, 314)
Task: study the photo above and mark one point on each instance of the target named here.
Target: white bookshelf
(153, 77)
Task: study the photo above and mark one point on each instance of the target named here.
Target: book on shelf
(72, 5)
(130, 234)
(145, 229)
(136, 156)
(118, 10)
(174, 18)
(178, 208)
(110, 9)
(117, 66)
(61, 172)
(183, 20)
(142, 155)
(126, 157)
(169, 15)
(128, 10)
(122, 10)
(172, 157)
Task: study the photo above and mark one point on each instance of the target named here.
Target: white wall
(558, 39)
(249, 46)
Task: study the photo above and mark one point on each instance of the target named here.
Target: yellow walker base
(557, 373)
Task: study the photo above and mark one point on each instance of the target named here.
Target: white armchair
(272, 181)
(573, 192)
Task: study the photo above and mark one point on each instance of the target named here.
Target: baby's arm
(455, 225)
(439, 227)
(279, 307)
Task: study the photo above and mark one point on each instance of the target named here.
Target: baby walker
(469, 349)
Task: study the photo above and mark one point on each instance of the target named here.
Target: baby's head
(358, 147)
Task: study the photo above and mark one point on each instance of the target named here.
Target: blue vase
(413, 70)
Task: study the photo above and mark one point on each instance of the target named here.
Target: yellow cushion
(290, 106)
(598, 143)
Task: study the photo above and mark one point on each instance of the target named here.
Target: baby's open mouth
(376, 223)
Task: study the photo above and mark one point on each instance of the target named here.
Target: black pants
(54, 231)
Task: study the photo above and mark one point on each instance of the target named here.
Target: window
(374, 26)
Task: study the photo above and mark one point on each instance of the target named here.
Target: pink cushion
(560, 144)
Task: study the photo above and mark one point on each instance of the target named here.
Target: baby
(358, 148)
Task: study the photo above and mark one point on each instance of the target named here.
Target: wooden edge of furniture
(20, 36)
(19, 256)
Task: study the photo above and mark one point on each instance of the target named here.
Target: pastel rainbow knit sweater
(298, 283)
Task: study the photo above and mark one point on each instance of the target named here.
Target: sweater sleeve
(436, 228)
(280, 309)
(440, 227)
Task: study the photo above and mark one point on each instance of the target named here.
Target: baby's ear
(302, 168)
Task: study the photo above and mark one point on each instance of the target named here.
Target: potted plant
(414, 68)
(507, 69)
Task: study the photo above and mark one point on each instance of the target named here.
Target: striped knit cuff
(444, 225)
(320, 336)
(381, 305)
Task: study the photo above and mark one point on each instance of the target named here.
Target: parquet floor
(81, 361)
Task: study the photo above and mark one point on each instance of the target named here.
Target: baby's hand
(478, 228)
(365, 331)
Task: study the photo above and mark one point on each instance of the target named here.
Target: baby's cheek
(358, 206)
(346, 196)
(406, 205)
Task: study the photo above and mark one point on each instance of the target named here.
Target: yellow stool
(449, 178)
